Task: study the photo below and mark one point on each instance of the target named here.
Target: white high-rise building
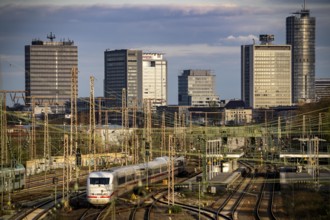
(154, 79)
(266, 74)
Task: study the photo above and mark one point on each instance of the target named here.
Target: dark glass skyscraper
(300, 34)
(123, 69)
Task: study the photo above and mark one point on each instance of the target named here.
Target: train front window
(99, 181)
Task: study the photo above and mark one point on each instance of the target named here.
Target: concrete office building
(197, 88)
(300, 34)
(266, 74)
(48, 66)
(154, 79)
(322, 88)
(123, 69)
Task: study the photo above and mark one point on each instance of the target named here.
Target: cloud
(247, 39)
(186, 50)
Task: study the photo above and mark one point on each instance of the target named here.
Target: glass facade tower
(300, 34)
(123, 69)
(197, 88)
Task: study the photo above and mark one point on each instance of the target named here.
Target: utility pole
(3, 131)
(175, 125)
(106, 131)
(304, 126)
(313, 156)
(134, 136)
(320, 125)
(163, 144)
(125, 123)
(74, 123)
(66, 172)
(32, 149)
(100, 110)
(183, 126)
(170, 170)
(91, 146)
(148, 126)
(47, 153)
(279, 132)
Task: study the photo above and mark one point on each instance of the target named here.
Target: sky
(192, 34)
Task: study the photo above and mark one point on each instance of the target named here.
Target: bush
(175, 209)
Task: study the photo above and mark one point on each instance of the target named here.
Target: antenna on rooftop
(51, 36)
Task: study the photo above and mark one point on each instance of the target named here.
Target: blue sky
(201, 34)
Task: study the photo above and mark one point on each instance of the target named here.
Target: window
(121, 180)
(99, 181)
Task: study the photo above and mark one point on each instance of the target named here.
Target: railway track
(38, 188)
(263, 208)
(230, 205)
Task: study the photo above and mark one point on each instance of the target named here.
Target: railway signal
(78, 157)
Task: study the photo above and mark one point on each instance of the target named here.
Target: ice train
(102, 186)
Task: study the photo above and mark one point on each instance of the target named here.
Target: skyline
(203, 35)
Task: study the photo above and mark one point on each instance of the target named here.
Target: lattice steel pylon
(66, 168)
(91, 145)
(4, 139)
(134, 136)
(106, 138)
(163, 143)
(47, 153)
(147, 126)
(183, 126)
(279, 133)
(170, 170)
(125, 123)
(32, 146)
(73, 119)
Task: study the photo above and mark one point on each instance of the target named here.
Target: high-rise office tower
(123, 69)
(154, 79)
(300, 34)
(48, 66)
(322, 88)
(197, 88)
(266, 74)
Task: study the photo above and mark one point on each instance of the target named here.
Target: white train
(103, 185)
(12, 178)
